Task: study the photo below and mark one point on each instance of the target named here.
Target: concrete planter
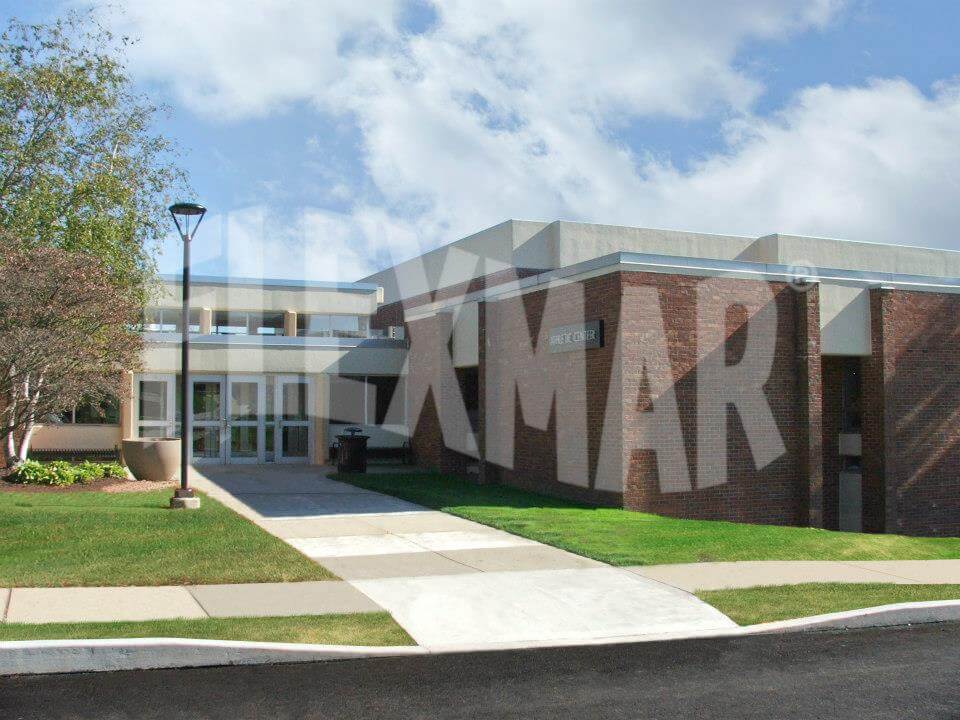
(154, 459)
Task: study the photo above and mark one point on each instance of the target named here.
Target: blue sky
(329, 139)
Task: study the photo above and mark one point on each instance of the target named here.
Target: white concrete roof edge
(31, 657)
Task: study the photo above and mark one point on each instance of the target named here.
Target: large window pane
(313, 325)
(244, 400)
(206, 442)
(168, 320)
(105, 412)
(153, 400)
(243, 441)
(295, 441)
(206, 400)
(152, 431)
(266, 323)
(294, 401)
(229, 323)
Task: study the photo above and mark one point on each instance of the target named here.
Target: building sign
(583, 336)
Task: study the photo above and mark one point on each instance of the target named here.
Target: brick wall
(582, 378)
(911, 433)
(778, 493)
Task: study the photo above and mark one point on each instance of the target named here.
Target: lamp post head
(182, 213)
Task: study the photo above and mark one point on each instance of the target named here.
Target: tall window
(850, 396)
(342, 326)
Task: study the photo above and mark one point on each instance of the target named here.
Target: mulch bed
(110, 485)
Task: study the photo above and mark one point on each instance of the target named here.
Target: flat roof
(333, 285)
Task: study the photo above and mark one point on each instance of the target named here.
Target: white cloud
(506, 109)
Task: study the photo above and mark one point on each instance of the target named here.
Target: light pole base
(185, 503)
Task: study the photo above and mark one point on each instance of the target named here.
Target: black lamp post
(183, 214)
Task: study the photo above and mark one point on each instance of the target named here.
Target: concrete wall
(75, 437)
(845, 319)
(851, 255)
(251, 297)
(577, 242)
(212, 358)
(476, 255)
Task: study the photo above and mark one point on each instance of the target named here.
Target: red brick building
(780, 379)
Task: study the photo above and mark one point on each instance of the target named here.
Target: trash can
(352, 456)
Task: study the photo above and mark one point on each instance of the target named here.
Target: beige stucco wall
(165, 358)
(851, 255)
(482, 253)
(75, 437)
(577, 242)
(249, 297)
(844, 319)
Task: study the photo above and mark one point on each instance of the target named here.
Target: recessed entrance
(236, 418)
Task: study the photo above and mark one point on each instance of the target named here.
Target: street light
(183, 214)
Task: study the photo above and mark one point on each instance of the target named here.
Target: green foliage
(113, 470)
(61, 473)
(88, 471)
(30, 472)
(81, 167)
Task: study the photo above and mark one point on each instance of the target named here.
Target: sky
(332, 138)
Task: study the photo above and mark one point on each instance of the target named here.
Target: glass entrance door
(207, 408)
(293, 401)
(245, 419)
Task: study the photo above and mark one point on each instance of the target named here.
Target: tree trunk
(33, 393)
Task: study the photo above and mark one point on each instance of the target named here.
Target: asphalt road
(890, 673)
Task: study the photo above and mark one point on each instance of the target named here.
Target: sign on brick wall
(582, 336)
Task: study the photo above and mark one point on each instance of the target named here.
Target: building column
(290, 323)
(320, 415)
(206, 321)
(876, 465)
(810, 392)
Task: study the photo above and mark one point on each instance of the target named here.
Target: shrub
(88, 471)
(61, 472)
(30, 473)
(114, 470)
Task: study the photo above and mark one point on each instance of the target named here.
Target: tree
(80, 166)
(84, 181)
(67, 333)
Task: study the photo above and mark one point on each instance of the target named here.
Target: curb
(32, 657)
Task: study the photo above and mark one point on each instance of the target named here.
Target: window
(241, 322)
(266, 323)
(366, 400)
(850, 395)
(167, 320)
(104, 412)
(342, 326)
(227, 322)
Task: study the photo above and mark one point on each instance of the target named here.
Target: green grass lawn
(622, 537)
(749, 606)
(96, 538)
(354, 629)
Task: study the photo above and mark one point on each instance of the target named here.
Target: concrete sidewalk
(724, 575)
(446, 580)
(110, 604)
